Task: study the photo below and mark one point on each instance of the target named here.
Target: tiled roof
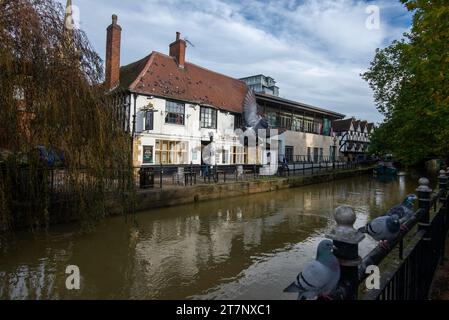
(342, 125)
(363, 125)
(159, 75)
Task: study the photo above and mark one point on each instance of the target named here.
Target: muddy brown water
(248, 247)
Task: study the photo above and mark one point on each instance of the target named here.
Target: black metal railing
(412, 277)
(409, 275)
(160, 176)
(59, 184)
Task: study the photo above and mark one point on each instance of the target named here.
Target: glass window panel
(208, 117)
(175, 113)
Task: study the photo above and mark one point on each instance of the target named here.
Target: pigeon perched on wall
(319, 277)
(383, 229)
(403, 211)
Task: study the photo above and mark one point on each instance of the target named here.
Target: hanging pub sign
(147, 154)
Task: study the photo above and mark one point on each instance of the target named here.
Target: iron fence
(161, 176)
(410, 274)
(412, 277)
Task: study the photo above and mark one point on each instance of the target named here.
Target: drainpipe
(133, 128)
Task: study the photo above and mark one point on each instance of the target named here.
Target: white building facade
(179, 113)
(173, 132)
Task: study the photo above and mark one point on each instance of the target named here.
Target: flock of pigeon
(321, 276)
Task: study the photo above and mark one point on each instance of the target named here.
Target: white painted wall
(300, 141)
(224, 136)
(190, 132)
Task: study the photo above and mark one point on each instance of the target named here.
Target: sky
(314, 49)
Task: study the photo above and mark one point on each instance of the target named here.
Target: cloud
(315, 50)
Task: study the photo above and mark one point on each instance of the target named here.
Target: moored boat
(385, 167)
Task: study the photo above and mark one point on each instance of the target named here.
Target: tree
(410, 80)
(51, 95)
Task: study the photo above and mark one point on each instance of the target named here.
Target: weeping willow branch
(51, 95)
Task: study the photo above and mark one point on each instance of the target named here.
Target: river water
(248, 247)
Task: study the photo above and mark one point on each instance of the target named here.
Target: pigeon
(404, 211)
(383, 229)
(319, 277)
(252, 113)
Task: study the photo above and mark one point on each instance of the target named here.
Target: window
(309, 158)
(286, 121)
(239, 155)
(315, 155)
(297, 124)
(289, 154)
(147, 154)
(272, 119)
(308, 126)
(208, 118)
(149, 120)
(332, 153)
(317, 126)
(171, 152)
(175, 113)
(224, 156)
(238, 121)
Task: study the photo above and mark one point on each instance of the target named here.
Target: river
(248, 247)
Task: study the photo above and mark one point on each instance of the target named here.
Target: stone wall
(155, 198)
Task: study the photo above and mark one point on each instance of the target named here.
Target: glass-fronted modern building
(262, 84)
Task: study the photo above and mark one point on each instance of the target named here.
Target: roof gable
(364, 126)
(357, 125)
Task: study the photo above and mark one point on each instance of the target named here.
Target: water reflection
(240, 248)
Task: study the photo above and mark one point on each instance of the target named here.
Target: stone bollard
(346, 239)
(424, 201)
(424, 194)
(442, 185)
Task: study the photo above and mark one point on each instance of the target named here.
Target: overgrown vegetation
(410, 80)
(51, 96)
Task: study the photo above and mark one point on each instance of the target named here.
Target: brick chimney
(178, 50)
(114, 33)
